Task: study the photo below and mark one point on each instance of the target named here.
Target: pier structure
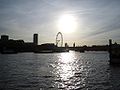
(114, 53)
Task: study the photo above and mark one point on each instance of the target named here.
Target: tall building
(66, 45)
(35, 39)
(73, 44)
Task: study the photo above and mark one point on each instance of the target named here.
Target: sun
(67, 23)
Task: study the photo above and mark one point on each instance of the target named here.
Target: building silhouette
(73, 44)
(4, 37)
(35, 39)
(66, 45)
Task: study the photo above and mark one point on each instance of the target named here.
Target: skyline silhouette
(8, 45)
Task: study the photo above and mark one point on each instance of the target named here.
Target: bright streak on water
(69, 71)
(65, 68)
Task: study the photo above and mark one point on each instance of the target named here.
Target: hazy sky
(98, 20)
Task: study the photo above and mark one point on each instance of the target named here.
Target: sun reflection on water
(65, 66)
(70, 71)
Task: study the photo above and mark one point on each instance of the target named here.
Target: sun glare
(67, 23)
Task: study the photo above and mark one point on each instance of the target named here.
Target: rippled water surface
(58, 71)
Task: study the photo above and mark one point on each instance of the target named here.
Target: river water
(58, 71)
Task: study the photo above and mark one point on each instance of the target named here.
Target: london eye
(59, 39)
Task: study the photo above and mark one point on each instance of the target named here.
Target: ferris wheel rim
(59, 33)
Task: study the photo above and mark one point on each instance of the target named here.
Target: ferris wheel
(59, 39)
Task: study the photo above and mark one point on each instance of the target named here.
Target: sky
(97, 20)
